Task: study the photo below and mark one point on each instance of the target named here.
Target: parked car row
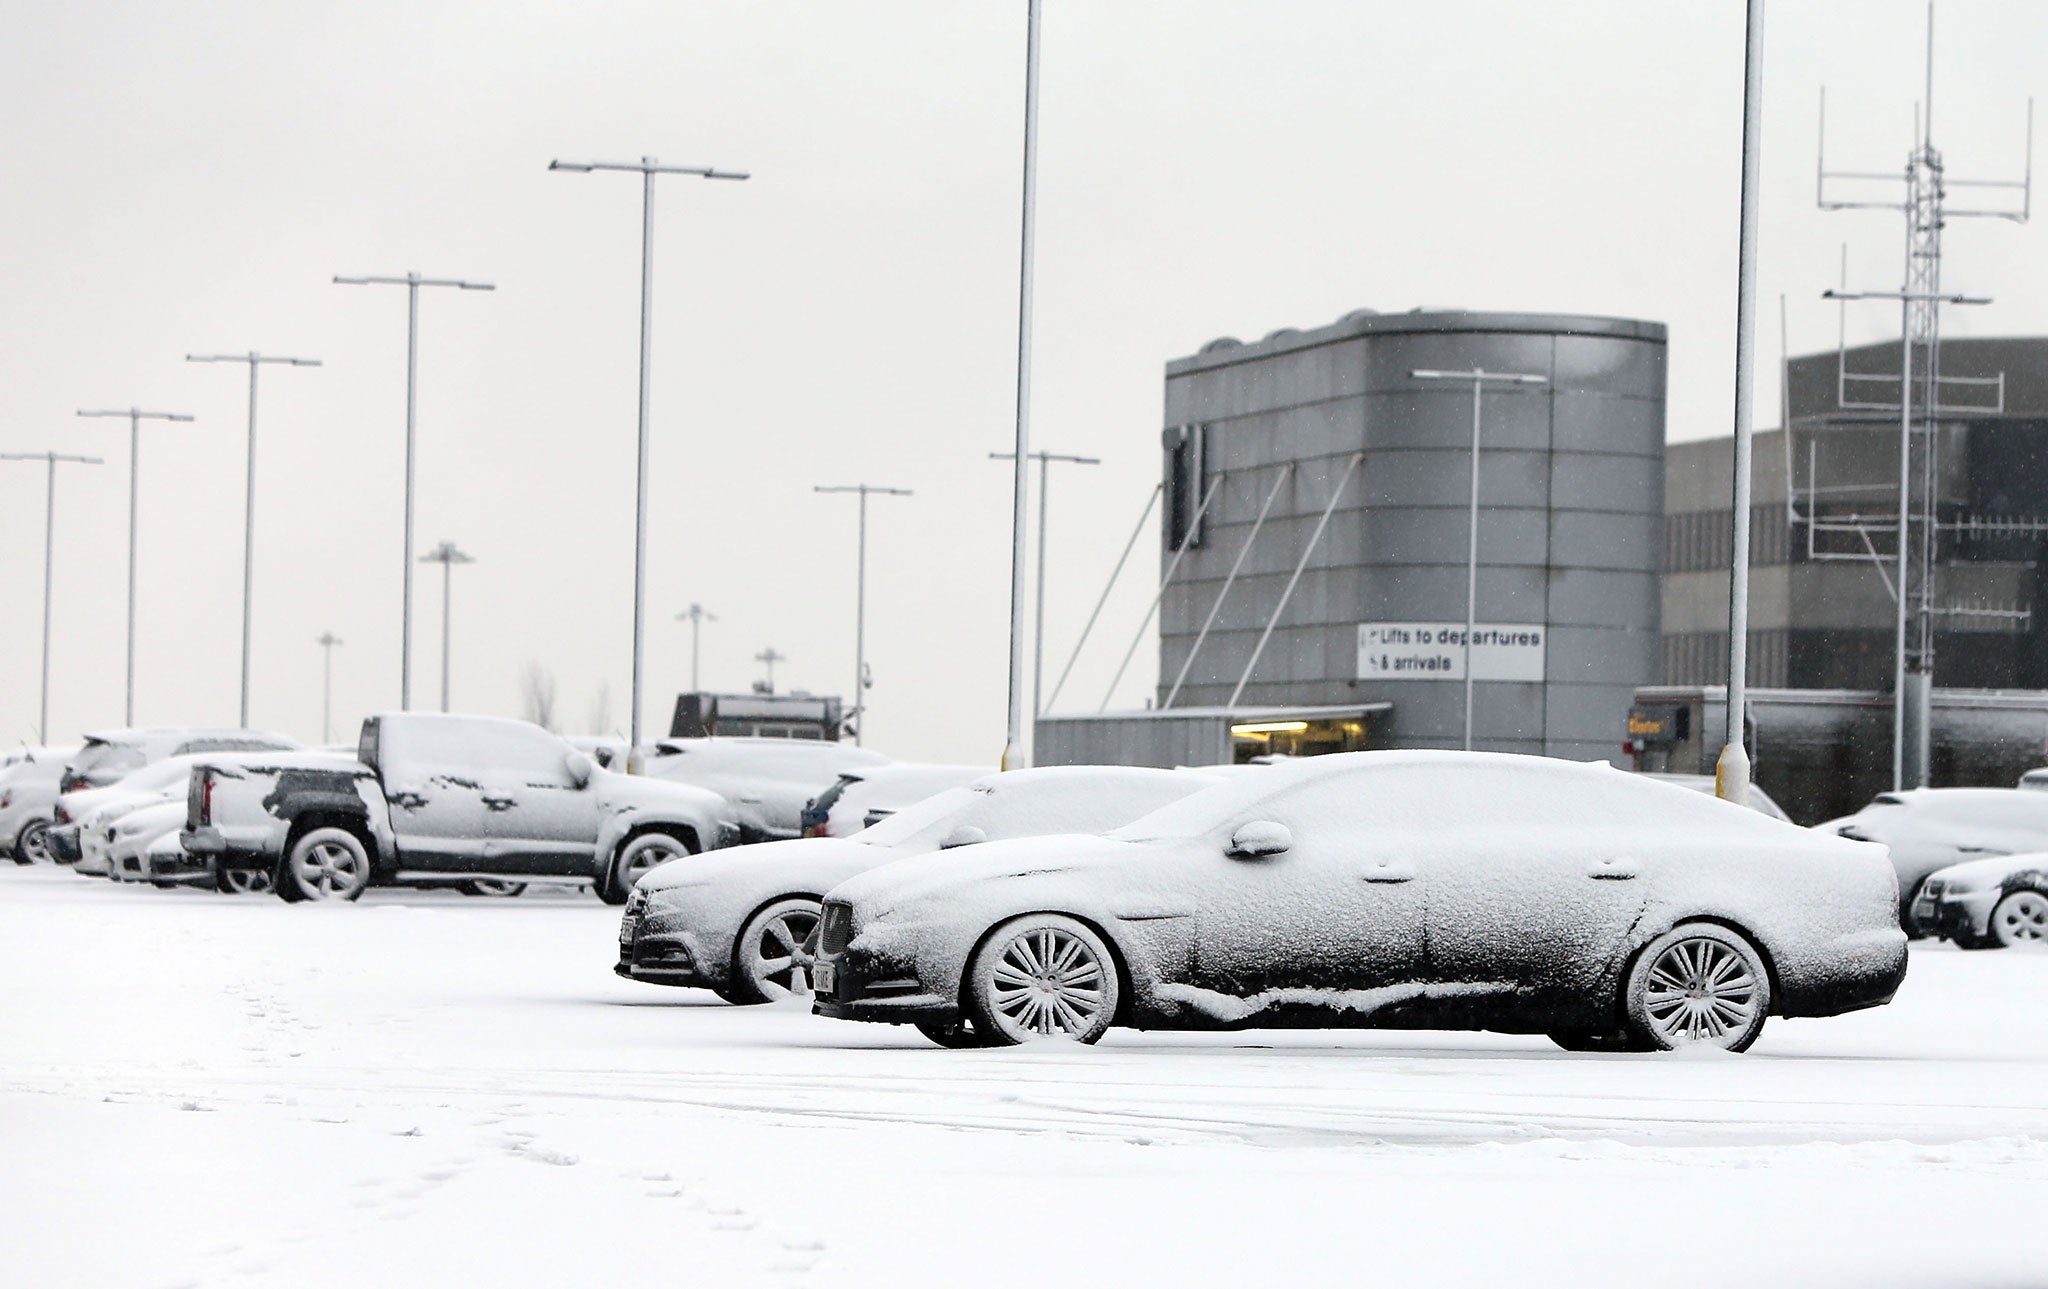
(1397, 889)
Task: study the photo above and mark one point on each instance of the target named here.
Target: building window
(1187, 474)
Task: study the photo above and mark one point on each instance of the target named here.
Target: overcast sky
(188, 177)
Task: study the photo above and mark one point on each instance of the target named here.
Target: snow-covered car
(1759, 800)
(1931, 828)
(1448, 890)
(1995, 903)
(28, 801)
(130, 837)
(106, 759)
(863, 796)
(732, 923)
(445, 800)
(769, 781)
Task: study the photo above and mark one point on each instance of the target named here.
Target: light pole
(1013, 733)
(1045, 460)
(769, 658)
(860, 600)
(327, 640)
(1479, 377)
(49, 542)
(1731, 771)
(647, 168)
(136, 416)
(254, 360)
(697, 615)
(447, 555)
(412, 282)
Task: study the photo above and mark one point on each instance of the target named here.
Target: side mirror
(1258, 839)
(964, 835)
(580, 768)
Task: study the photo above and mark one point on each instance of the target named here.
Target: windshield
(106, 762)
(925, 822)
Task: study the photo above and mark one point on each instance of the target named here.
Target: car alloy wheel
(243, 881)
(492, 888)
(326, 864)
(633, 862)
(33, 846)
(768, 961)
(1698, 986)
(2021, 918)
(1043, 976)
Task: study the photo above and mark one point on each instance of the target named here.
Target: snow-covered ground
(430, 1090)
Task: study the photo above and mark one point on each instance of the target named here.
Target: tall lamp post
(1045, 460)
(1478, 378)
(1731, 770)
(327, 640)
(1013, 733)
(696, 615)
(860, 600)
(768, 658)
(412, 282)
(49, 543)
(646, 168)
(447, 555)
(255, 360)
(136, 416)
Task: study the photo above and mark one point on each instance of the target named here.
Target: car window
(107, 760)
(230, 743)
(525, 753)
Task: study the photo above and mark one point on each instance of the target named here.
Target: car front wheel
(1698, 985)
(768, 961)
(1042, 976)
(242, 881)
(2021, 918)
(325, 864)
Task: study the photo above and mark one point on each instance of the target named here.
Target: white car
(1413, 890)
(91, 812)
(1995, 903)
(28, 801)
(864, 796)
(131, 837)
(731, 922)
(769, 781)
(1930, 828)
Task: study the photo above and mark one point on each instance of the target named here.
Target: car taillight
(6, 800)
(62, 815)
(202, 794)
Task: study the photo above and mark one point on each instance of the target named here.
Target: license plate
(824, 979)
(626, 930)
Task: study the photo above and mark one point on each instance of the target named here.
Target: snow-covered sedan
(1930, 828)
(1995, 903)
(732, 922)
(1395, 889)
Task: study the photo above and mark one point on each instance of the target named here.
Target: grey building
(1315, 538)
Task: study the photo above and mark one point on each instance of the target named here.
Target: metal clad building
(1571, 491)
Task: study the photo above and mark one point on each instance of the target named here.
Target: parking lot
(427, 1089)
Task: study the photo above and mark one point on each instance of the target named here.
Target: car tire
(632, 860)
(1907, 923)
(1042, 976)
(1588, 1040)
(243, 881)
(33, 845)
(1697, 985)
(767, 959)
(492, 888)
(1966, 937)
(2021, 920)
(959, 1034)
(324, 864)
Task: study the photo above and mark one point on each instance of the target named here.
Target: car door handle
(1395, 872)
(498, 805)
(1613, 870)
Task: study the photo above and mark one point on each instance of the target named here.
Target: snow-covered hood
(1987, 874)
(940, 873)
(640, 792)
(792, 857)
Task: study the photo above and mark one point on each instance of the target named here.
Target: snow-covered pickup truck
(440, 800)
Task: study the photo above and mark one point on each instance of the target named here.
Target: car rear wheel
(325, 864)
(2021, 918)
(1042, 976)
(492, 887)
(633, 861)
(960, 1033)
(1698, 985)
(242, 881)
(1591, 1040)
(768, 963)
(33, 846)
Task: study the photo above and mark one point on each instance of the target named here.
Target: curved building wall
(1571, 486)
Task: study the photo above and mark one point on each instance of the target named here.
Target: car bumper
(1857, 971)
(844, 987)
(657, 959)
(63, 843)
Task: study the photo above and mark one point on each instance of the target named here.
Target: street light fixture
(447, 555)
(647, 168)
(49, 542)
(327, 640)
(136, 416)
(1045, 460)
(696, 615)
(255, 360)
(858, 713)
(768, 657)
(412, 282)
(1478, 377)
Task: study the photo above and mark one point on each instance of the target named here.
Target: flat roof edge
(1350, 326)
(1250, 713)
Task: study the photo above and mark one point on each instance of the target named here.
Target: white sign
(1436, 651)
